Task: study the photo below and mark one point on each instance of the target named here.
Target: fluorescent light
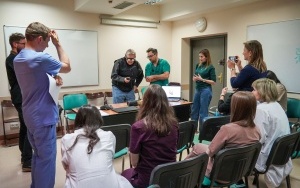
(152, 2)
(127, 22)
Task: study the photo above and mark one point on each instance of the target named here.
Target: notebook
(173, 93)
(126, 109)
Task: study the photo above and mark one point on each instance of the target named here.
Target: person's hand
(224, 91)
(197, 77)
(59, 80)
(54, 38)
(134, 88)
(149, 78)
(127, 79)
(230, 64)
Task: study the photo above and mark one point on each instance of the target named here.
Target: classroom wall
(233, 22)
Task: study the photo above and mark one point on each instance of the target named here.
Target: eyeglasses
(131, 59)
(149, 56)
(21, 43)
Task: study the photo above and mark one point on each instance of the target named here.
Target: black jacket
(122, 70)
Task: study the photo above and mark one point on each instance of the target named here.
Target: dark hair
(257, 58)
(206, 54)
(35, 30)
(15, 37)
(153, 50)
(156, 111)
(271, 75)
(91, 120)
(243, 108)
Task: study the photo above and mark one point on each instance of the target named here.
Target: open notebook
(173, 93)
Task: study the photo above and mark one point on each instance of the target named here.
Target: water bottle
(217, 113)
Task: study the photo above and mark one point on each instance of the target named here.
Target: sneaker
(238, 185)
(26, 167)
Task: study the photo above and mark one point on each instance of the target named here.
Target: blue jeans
(201, 103)
(121, 96)
(43, 164)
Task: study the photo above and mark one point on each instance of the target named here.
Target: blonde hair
(267, 90)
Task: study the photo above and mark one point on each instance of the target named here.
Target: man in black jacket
(126, 76)
(17, 43)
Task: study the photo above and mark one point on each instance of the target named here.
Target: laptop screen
(172, 91)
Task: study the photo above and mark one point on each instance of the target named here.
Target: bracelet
(203, 80)
(232, 69)
(222, 95)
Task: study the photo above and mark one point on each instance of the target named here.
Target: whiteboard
(81, 47)
(281, 48)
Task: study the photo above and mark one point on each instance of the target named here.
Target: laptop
(126, 109)
(173, 93)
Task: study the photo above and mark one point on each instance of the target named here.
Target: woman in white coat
(272, 121)
(87, 154)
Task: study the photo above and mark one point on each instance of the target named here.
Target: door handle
(220, 77)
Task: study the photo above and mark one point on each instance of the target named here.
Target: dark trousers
(24, 145)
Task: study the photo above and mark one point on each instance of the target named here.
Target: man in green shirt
(157, 71)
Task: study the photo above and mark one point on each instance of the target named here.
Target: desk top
(122, 105)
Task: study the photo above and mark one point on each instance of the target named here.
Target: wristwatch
(232, 69)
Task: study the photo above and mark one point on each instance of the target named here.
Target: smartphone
(233, 58)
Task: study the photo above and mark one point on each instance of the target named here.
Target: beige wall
(232, 22)
(171, 39)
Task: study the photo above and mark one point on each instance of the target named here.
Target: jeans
(43, 141)
(201, 103)
(121, 96)
(24, 145)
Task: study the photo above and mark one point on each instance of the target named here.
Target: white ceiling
(170, 10)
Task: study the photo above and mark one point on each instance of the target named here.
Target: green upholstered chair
(71, 101)
(122, 134)
(293, 111)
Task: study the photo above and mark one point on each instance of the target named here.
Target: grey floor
(11, 175)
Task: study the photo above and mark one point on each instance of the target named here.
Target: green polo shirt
(161, 67)
(207, 73)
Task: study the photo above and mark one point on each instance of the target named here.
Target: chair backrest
(186, 133)
(211, 125)
(174, 84)
(282, 149)
(122, 134)
(108, 97)
(183, 174)
(293, 108)
(96, 99)
(71, 101)
(232, 164)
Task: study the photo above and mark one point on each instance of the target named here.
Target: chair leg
(256, 180)
(288, 181)
(123, 161)
(246, 181)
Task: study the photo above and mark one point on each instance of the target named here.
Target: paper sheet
(53, 89)
(103, 113)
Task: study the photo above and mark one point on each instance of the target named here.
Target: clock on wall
(201, 24)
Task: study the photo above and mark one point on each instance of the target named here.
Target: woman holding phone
(204, 77)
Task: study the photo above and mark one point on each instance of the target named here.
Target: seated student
(272, 121)
(153, 138)
(224, 105)
(282, 93)
(87, 154)
(240, 131)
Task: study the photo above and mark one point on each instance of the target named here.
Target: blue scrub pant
(201, 103)
(43, 142)
(121, 96)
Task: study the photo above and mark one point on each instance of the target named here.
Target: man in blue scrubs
(40, 111)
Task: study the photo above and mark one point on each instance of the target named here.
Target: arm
(241, 79)
(63, 57)
(64, 158)
(134, 159)
(140, 75)
(218, 142)
(115, 72)
(154, 78)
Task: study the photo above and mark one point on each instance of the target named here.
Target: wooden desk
(182, 111)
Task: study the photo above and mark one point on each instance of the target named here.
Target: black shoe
(26, 167)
